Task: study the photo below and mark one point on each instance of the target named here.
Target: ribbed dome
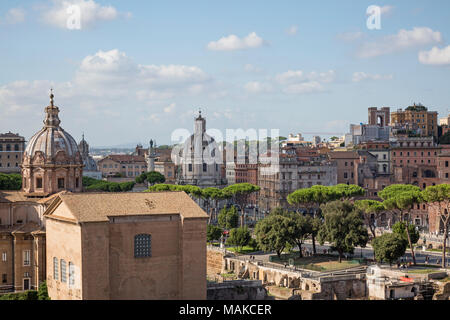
(52, 138)
(50, 141)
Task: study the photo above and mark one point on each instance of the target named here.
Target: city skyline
(139, 71)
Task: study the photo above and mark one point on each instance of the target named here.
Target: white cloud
(170, 108)
(14, 16)
(361, 76)
(435, 56)
(252, 68)
(292, 30)
(304, 87)
(106, 83)
(404, 39)
(91, 13)
(300, 82)
(350, 36)
(233, 42)
(257, 87)
(290, 77)
(386, 10)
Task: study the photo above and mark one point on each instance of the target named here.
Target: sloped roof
(7, 196)
(125, 158)
(98, 207)
(343, 154)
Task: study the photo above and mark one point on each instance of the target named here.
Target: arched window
(142, 246)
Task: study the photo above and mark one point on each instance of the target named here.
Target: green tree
(438, 199)
(228, 218)
(400, 199)
(347, 191)
(273, 233)
(11, 181)
(152, 178)
(311, 199)
(239, 237)
(240, 193)
(343, 227)
(400, 229)
(389, 247)
(213, 232)
(102, 185)
(302, 227)
(208, 195)
(371, 210)
(43, 292)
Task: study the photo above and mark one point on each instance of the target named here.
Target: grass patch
(317, 263)
(243, 250)
(423, 271)
(228, 275)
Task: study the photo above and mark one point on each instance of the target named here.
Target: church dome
(52, 162)
(52, 139)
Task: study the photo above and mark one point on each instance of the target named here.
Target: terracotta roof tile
(125, 158)
(96, 207)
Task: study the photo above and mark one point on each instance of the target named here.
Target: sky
(125, 72)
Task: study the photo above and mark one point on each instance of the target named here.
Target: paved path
(434, 257)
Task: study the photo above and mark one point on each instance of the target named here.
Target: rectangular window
(61, 184)
(190, 167)
(27, 258)
(4, 256)
(204, 167)
(4, 278)
(71, 274)
(77, 182)
(63, 271)
(55, 269)
(142, 246)
(39, 183)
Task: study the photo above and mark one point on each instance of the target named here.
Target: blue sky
(138, 70)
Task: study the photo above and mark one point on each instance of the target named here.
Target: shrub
(11, 181)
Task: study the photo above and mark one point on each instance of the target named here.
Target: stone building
(290, 172)
(347, 162)
(199, 158)
(126, 246)
(52, 162)
(443, 164)
(90, 168)
(415, 161)
(122, 165)
(22, 241)
(380, 117)
(417, 119)
(12, 146)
